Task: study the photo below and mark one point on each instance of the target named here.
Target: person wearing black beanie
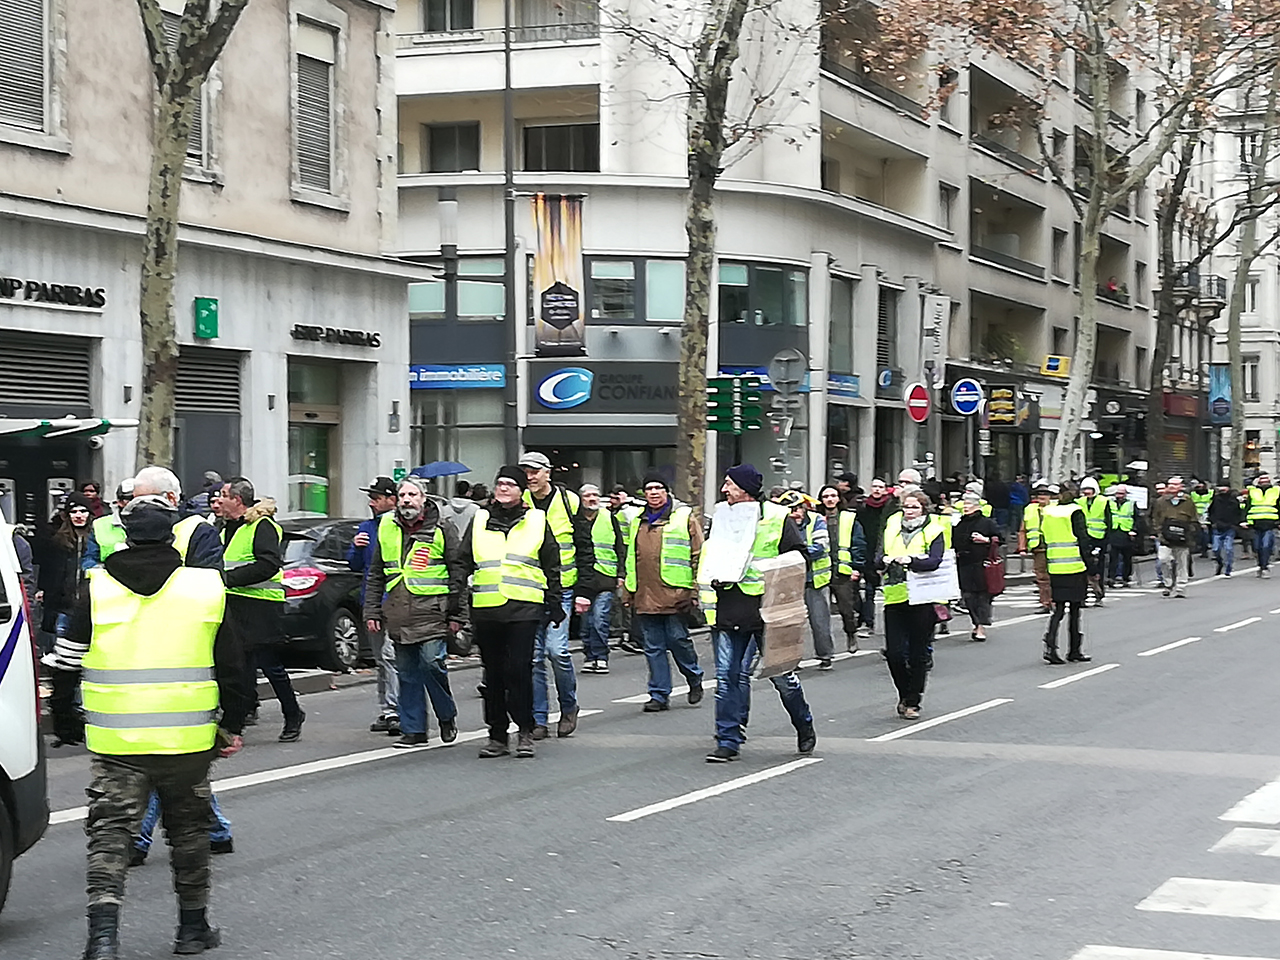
(737, 631)
(515, 474)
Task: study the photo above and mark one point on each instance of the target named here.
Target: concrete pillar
(819, 344)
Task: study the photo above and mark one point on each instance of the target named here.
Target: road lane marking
(685, 799)
(1094, 952)
(75, 814)
(1216, 898)
(1168, 646)
(1237, 625)
(1016, 620)
(1261, 806)
(945, 718)
(708, 684)
(1276, 610)
(1063, 681)
(1264, 843)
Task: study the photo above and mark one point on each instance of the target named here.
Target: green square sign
(206, 318)
(399, 473)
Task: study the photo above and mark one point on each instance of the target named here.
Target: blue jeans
(595, 627)
(663, 633)
(422, 672)
(736, 655)
(221, 830)
(1224, 548)
(1264, 541)
(552, 643)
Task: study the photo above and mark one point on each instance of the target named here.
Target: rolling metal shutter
(208, 381)
(50, 371)
(23, 59)
(314, 123)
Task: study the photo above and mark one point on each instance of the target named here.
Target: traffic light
(733, 404)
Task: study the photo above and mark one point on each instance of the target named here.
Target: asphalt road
(1095, 820)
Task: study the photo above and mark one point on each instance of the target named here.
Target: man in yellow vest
(1066, 540)
(513, 559)
(732, 609)
(1031, 541)
(1097, 516)
(577, 559)
(662, 553)
(1262, 515)
(253, 560)
(623, 506)
(148, 623)
(609, 548)
(1123, 537)
(414, 591)
(106, 534)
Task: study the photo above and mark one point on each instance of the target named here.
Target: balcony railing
(1214, 288)
(1120, 296)
(875, 88)
(1005, 260)
(539, 33)
(1007, 153)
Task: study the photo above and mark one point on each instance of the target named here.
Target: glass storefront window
(313, 383)
(462, 425)
(841, 331)
(573, 466)
(309, 469)
(426, 300)
(767, 296)
(481, 301)
(613, 289)
(664, 290)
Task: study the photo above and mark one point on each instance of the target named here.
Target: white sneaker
(602, 666)
(865, 631)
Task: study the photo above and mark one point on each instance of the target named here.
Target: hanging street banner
(559, 328)
(1220, 394)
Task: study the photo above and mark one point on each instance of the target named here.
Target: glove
(68, 720)
(555, 613)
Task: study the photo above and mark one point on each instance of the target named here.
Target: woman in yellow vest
(1065, 530)
(913, 541)
(849, 551)
(818, 554)
(513, 558)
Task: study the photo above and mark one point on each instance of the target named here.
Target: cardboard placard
(784, 614)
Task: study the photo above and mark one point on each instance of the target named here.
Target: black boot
(1051, 652)
(1074, 653)
(194, 933)
(104, 933)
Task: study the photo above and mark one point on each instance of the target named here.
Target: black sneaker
(824, 664)
(494, 748)
(251, 718)
(448, 730)
(806, 740)
(293, 728)
(393, 726)
(629, 646)
(722, 755)
(379, 725)
(410, 741)
(655, 706)
(195, 937)
(221, 846)
(137, 856)
(695, 694)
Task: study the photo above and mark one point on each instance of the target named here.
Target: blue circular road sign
(966, 396)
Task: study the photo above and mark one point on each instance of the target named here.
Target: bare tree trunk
(708, 96)
(1071, 425)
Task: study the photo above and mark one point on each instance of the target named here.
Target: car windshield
(297, 548)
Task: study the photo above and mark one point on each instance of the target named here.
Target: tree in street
(179, 69)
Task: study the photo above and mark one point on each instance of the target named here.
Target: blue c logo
(567, 387)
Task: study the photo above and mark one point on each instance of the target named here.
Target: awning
(66, 427)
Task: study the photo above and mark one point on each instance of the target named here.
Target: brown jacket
(652, 595)
(410, 617)
(1184, 512)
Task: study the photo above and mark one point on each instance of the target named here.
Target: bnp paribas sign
(17, 290)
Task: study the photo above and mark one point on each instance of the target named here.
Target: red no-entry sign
(918, 402)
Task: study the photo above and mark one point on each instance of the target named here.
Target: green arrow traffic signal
(733, 404)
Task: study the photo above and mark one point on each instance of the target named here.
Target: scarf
(911, 527)
(876, 502)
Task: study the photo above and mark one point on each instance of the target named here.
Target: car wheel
(344, 641)
(8, 848)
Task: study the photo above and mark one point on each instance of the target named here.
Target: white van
(24, 804)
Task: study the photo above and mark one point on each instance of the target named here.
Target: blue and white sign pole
(966, 397)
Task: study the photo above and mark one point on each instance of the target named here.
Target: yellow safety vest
(1095, 515)
(606, 547)
(773, 518)
(895, 546)
(1062, 552)
(148, 682)
(507, 566)
(842, 541)
(1264, 504)
(423, 571)
(1122, 516)
(239, 553)
(110, 536)
(561, 522)
(821, 567)
(675, 562)
(1031, 520)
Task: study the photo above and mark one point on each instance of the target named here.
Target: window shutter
(23, 58)
(315, 123)
(208, 381)
(195, 142)
(884, 332)
(45, 371)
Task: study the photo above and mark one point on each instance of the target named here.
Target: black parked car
(321, 623)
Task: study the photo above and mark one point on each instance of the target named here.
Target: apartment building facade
(888, 240)
(295, 374)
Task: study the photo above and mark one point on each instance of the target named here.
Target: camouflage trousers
(118, 796)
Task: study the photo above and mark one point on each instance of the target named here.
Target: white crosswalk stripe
(1130, 953)
(1255, 840)
(1216, 898)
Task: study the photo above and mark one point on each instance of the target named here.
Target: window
(1140, 110)
(196, 141)
(439, 16)
(613, 289)
(1251, 295)
(1059, 261)
(887, 328)
(1140, 366)
(830, 174)
(841, 327)
(947, 197)
(451, 147)
(1140, 202)
(664, 290)
(1251, 385)
(481, 293)
(1075, 254)
(1139, 282)
(1059, 147)
(1061, 346)
(572, 147)
(766, 296)
(24, 64)
(1250, 144)
(313, 118)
